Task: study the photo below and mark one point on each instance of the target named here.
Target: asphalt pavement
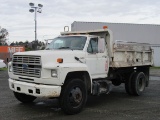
(118, 105)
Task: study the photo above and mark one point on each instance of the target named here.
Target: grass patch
(154, 67)
(3, 69)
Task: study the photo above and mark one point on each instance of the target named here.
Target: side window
(101, 45)
(93, 46)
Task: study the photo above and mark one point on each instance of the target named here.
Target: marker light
(105, 27)
(60, 60)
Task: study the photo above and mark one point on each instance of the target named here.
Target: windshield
(68, 42)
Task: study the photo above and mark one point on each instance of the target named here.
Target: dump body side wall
(127, 54)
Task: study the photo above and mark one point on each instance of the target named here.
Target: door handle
(104, 56)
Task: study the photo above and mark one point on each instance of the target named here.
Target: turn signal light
(60, 60)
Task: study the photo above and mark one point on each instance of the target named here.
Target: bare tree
(3, 35)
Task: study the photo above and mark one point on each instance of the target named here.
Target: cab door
(102, 58)
(91, 56)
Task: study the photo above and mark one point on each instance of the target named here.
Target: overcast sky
(16, 18)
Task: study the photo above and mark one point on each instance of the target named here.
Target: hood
(51, 56)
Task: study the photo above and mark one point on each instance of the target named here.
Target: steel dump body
(127, 54)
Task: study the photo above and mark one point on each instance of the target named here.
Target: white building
(143, 33)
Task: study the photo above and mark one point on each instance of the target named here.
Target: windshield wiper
(59, 48)
(64, 48)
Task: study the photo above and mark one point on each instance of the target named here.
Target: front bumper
(37, 90)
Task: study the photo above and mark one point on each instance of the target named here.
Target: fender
(67, 68)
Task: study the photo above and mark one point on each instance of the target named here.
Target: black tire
(138, 83)
(73, 96)
(128, 83)
(24, 98)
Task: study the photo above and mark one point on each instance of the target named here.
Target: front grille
(27, 65)
(36, 60)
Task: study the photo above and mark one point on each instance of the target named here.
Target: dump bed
(127, 54)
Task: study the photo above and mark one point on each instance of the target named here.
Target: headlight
(10, 68)
(54, 73)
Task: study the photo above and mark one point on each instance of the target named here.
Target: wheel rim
(141, 84)
(75, 97)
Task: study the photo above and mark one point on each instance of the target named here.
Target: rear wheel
(128, 83)
(73, 96)
(139, 83)
(24, 98)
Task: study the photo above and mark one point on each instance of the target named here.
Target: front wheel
(24, 98)
(73, 96)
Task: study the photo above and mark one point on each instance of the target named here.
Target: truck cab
(89, 50)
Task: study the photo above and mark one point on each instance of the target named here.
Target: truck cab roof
(85, 35)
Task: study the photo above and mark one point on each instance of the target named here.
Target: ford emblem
(25, 66)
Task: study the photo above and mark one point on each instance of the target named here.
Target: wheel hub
(141, 85)
(76, 96)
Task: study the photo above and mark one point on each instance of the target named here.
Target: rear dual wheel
(136, 83)
(128, 84)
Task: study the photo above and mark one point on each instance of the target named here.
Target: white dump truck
(77, 64)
